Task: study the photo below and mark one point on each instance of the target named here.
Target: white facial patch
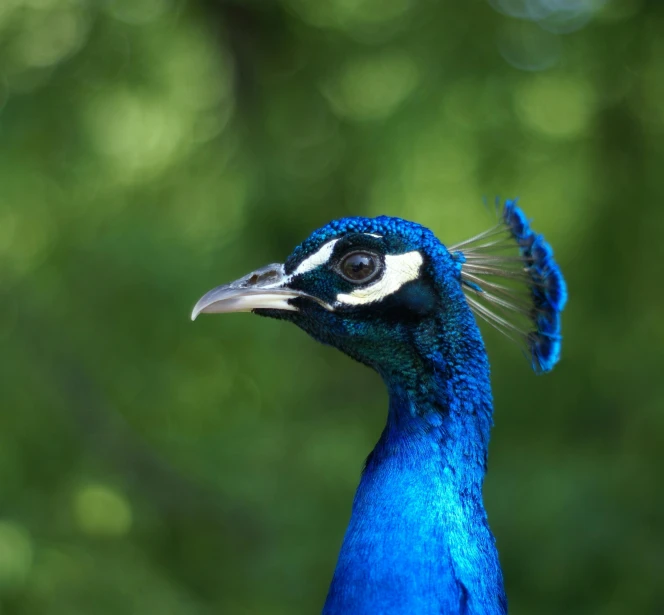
(399, 270)
(321, 257)
(315, 260)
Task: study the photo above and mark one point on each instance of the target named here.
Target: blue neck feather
(418, 539)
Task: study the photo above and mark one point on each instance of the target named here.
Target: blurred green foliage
(152, 149)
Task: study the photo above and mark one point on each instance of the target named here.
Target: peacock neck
(418, 539)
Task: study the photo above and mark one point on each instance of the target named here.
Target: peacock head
(385, 290)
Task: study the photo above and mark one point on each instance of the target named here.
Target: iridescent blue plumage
(386, 292)
(548, 288)
(531, 312)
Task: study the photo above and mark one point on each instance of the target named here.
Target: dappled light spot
(135, 133)
(560, 107)
(102, 511)
(193, 77)
(8, 13)
(560, 16)
(36, 36)
(531, 43)
(566, 22)
(51, 36)
(16, 554)
(527, 47)
(209, 125)
(28, 79)
(372, 88)
(139, 131)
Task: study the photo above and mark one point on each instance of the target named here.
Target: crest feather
(521, 294)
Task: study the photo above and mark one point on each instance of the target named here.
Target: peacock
(388, 293)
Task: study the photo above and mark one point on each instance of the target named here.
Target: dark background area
(152, 149)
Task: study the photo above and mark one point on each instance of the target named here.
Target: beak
(265, 289)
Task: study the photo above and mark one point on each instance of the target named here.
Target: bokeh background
(152, 149)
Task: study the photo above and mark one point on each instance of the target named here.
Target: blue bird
(389, 294)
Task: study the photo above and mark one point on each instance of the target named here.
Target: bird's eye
(359, 267)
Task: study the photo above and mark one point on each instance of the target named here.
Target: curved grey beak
(265, 288)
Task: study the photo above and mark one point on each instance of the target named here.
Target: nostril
(261, 278)
(267, 276)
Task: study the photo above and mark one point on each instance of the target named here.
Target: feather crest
(519, 294)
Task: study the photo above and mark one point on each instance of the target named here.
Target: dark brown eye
(359, 267)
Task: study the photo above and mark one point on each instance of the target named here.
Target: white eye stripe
(321, 257)
(316, 260)
(399, 270)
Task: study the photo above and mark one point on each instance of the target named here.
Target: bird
(386, 292)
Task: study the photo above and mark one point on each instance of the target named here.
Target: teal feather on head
(389, 294)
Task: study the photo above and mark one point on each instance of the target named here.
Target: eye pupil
(359, 266)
